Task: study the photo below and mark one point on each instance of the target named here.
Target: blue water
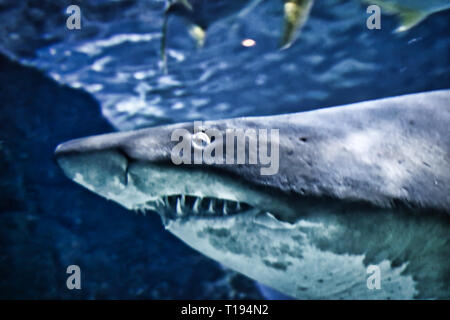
(113, 62)
(337, 60)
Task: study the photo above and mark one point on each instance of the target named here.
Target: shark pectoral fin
(197, 33)
(409, 19)
(296, 13)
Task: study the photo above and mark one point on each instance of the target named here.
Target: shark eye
(200, 140)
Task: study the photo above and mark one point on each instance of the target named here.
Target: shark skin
(358, 185)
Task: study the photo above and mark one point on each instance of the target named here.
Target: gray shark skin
(358, 185)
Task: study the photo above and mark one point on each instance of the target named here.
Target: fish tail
(409, 19)
(163, 51)
(296, 13)
(198, 34)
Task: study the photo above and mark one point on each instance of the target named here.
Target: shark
(359, 187)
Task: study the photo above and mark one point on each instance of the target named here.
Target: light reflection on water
(240, 71)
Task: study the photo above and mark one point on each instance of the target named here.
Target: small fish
(201, 14)
(411, 12)
(296, 12)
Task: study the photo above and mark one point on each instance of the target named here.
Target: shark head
(316, 199)
(139, 170)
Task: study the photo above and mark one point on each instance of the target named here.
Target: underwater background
(58, 84)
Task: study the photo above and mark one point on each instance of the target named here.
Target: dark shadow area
(48, 223)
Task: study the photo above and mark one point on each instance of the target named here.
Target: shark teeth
(211, 206)
(180, 206)
(225, 208)
(197, 203)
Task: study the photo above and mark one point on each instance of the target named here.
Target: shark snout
(98, 167)
(104, 164)
(92, 144)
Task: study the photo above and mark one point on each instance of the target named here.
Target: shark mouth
(182, 206)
